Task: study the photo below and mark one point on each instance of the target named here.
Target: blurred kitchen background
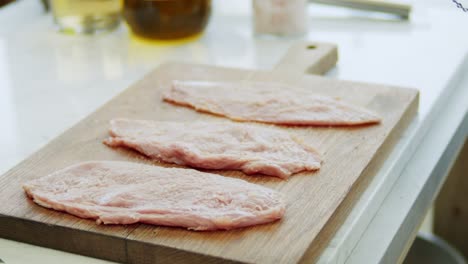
(128, 38)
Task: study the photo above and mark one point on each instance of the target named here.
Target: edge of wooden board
(66, 239)
(344, 209)
(147, 253)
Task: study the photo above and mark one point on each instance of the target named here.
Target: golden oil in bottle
(167, 19)
(86, 16)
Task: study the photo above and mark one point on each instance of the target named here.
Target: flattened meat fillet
(127, 193)
(267, 103)
(209, 145)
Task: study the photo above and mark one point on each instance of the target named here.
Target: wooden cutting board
(317, 202)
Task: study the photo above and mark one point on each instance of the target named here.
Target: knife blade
(400, 9)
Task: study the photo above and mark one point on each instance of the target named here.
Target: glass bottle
(166, 19)
(86, 16)
(280, 17)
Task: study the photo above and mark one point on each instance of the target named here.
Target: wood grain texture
(351, 156)
(309, 58)
(451, 209)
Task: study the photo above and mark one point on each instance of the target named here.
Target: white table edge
(402, 156)
(440, 147)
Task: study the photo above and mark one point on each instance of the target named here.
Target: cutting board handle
(309, 57)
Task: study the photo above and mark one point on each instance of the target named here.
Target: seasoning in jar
(280, 17)
(167, 19)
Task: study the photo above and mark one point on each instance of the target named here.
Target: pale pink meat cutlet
(214, 145)
(267, 103)
(127, 193)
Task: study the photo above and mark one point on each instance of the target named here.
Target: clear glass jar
(280, 17)
(86, 16)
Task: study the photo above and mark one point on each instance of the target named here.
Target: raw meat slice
(126, 193)
(209, 145)
(267, 103)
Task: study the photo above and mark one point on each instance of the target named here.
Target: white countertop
(49, 81)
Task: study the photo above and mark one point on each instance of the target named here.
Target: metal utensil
(399, 9)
